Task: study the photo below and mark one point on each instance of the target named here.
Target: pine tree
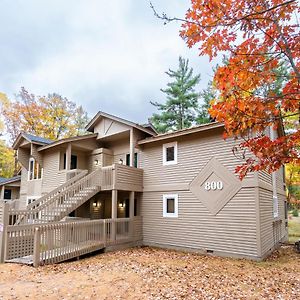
(179, 110)
(207, 96)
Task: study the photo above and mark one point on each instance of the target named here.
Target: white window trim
(34, 162)
(274, 184)
(172, 162)
(275, 206)
(165, 213)
(32, 198)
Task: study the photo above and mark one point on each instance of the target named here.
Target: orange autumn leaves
(259, 38)
(51, 116)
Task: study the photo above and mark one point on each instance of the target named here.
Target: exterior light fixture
(122, 204)
(120, 161)
(96, 162)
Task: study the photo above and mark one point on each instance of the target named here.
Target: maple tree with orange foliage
(258, 37)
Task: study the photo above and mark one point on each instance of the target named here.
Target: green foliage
(295, 213)
(7, 160)
(179, 110)
(292, 178)
(207, 95)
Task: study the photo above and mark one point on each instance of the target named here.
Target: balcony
(121, 177)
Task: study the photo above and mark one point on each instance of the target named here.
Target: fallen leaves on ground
(151, 273)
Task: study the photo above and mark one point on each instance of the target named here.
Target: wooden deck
(41, 244)
(60, 254)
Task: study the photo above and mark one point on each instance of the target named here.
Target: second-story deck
(121, 177)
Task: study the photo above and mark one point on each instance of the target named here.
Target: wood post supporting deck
(68, 156)
(131, 213)
(36, 247)
(3, 224)
(114, 211)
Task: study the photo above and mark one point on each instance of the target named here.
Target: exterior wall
(102, 155)
(232, 231)
(106, 127)
(52, 176)
(272, 230)
(24, 186)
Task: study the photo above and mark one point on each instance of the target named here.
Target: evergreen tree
(179, 110)
(207, 96)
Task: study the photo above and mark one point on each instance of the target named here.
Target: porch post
(68, 156)
(3, 233)
(131, 148)
(114, 200)
(2, 192)
(131, 213)
(131, 205)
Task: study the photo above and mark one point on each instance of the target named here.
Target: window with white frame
(31, 199)
(170, 206)
(275, 206)
(34, 170)
(170, 154)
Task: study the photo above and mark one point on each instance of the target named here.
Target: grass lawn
(294, 229)
(150, 273)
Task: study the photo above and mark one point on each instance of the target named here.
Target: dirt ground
(149, 273)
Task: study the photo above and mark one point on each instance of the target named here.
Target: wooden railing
(67, 197)
(52, 243)
(57, 191)
(57, 204)
(128, 178)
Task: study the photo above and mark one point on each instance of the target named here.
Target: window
(170, 154)
(170, 206)
(135, 160)
(31, 199)
(73, 162)
(275, 206)
(275, 198)
(35, 170)
(7, 194)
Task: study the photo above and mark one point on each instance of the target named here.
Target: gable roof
(174, 134)
(67, 140)
(38, 139)
(31, 139)
(150, 126)
(9, 180)
(101, 114)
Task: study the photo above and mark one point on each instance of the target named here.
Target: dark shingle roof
(37, 139)
(2, 179)
(9, 180)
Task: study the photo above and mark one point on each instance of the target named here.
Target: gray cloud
(104, 55)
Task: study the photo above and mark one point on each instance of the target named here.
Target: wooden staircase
(62, 201)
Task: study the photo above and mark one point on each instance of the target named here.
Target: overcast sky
(106, 55)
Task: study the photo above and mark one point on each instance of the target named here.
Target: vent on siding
(209, 251)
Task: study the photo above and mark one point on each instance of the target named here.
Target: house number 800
(213, 185)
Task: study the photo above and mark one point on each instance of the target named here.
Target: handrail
(55, 205)
(37, 209)
(57, 190)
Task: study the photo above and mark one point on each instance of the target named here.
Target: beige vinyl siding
(265, 177)
(232, 231)
(34, 187)
(269, 235)
(194, 152)
(52, 177)
(24, 186)
(280, 179)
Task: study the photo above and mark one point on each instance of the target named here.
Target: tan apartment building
(179, 189)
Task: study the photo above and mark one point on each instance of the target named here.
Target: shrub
(295, 213)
